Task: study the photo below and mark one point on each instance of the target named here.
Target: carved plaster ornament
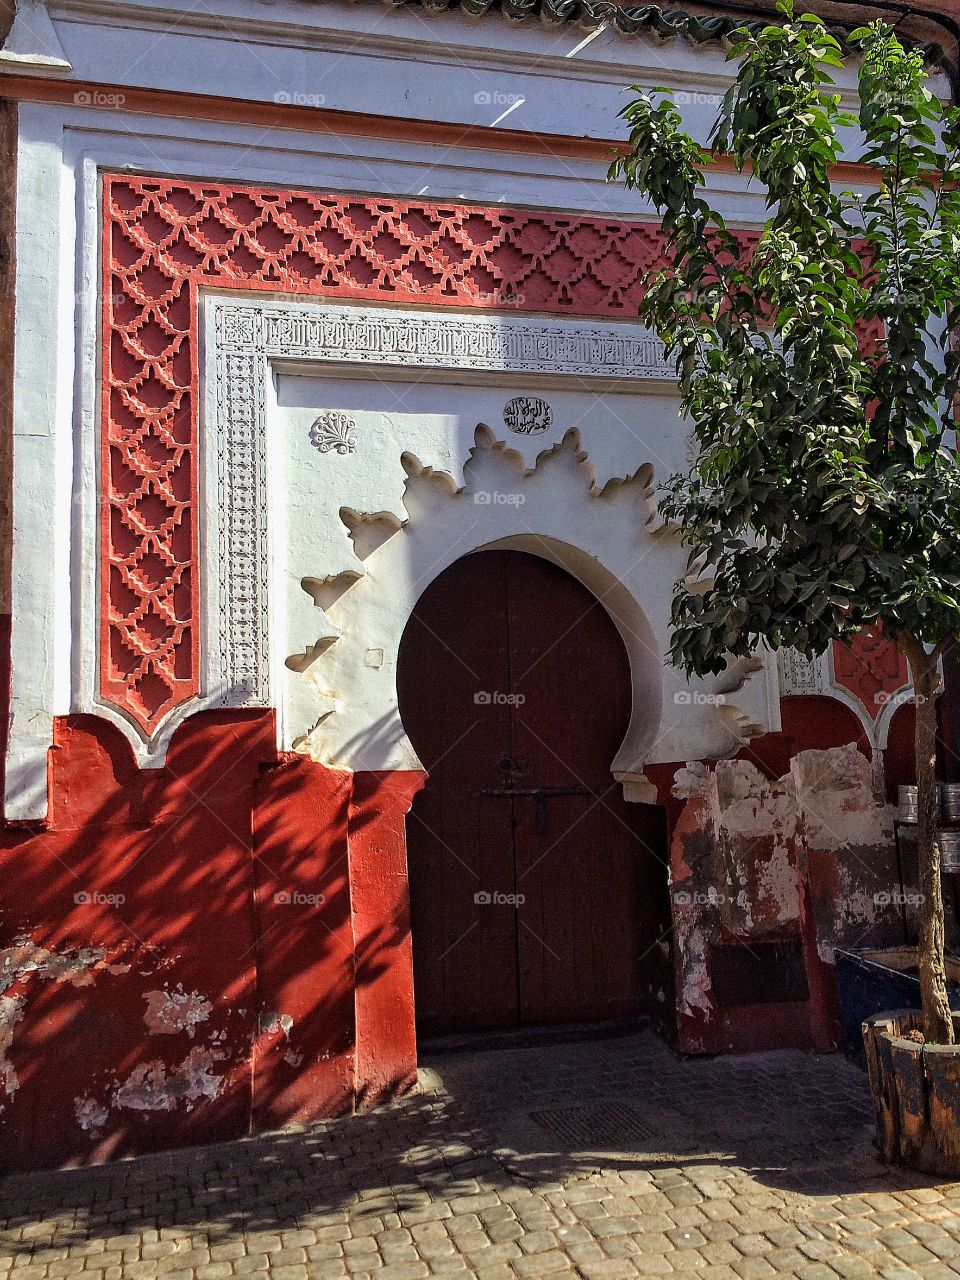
(369, 530)
(334, 432)
(736, 673)
(327, 591)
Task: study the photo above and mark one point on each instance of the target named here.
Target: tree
(819, 367)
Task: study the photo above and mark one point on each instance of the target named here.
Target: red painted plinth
(383, 953)
(194, 953)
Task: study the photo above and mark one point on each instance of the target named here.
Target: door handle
(541, 795)
(538, 792)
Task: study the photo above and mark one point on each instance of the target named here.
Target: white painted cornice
(336, 26)
(400, 62)
(32, 45)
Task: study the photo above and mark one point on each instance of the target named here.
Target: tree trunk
(937, 1023)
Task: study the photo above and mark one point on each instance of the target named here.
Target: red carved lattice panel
(163, 239)
(871, 667)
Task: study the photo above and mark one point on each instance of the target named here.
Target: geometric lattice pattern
(163, 240)
(871, 667)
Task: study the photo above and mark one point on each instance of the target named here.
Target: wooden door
(538, 895)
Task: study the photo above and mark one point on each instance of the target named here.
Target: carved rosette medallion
(334, 432)
(527, 415)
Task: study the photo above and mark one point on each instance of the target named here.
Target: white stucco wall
(360, 58)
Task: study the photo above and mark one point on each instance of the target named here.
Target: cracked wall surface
(806, 860)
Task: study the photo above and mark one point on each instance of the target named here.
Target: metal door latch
(541, 795)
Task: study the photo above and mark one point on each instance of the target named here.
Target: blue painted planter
(879, 978)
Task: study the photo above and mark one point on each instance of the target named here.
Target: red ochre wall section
(706, 862)
(221, 946)
(196, 952)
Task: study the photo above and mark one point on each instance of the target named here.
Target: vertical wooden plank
(452, 670)
(592, 867)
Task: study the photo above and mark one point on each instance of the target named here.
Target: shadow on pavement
(518, 1122)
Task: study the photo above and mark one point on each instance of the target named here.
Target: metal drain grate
(603, 1125)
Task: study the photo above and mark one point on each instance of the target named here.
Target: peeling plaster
(150, 1088)
(76, 966)
(11, 1012)
(26, 959)
(837, 801)
(272, 1022)
(751, 805)
(90, 1114)
(743, 849)
(692, 781)
(779, 884)
(830, 792)
(697, 986)
(170, 1012)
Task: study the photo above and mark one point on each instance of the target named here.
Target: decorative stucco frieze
(248, 337)
(372, 337)
(568, 511)
(800, 675)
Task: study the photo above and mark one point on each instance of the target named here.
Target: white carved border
(245, 337)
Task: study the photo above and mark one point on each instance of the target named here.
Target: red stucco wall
(191, 953)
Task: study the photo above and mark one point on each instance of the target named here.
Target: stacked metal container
(949, 810)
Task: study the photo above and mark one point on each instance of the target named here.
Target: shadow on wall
(181, 957)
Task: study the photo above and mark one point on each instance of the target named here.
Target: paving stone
(253, 1262)
(852, 1268)
(489, 1254)
(623, 1247)
(772, 1175)
(609, 1269)
(589, 1209)
(508, 1229)
(537, 1241)
(815, 1271)
(431, 1230)
(719, 1252)
(686, 1238)
(683, 1195)
(753, 1268)
(818, 1250)
(403, 1271)
(541, 1264)
(399, 1253)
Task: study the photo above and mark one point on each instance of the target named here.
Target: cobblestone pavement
(598, 1159)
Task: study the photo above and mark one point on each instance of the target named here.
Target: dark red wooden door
(538, 895)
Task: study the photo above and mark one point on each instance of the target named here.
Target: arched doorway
(538, 895)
